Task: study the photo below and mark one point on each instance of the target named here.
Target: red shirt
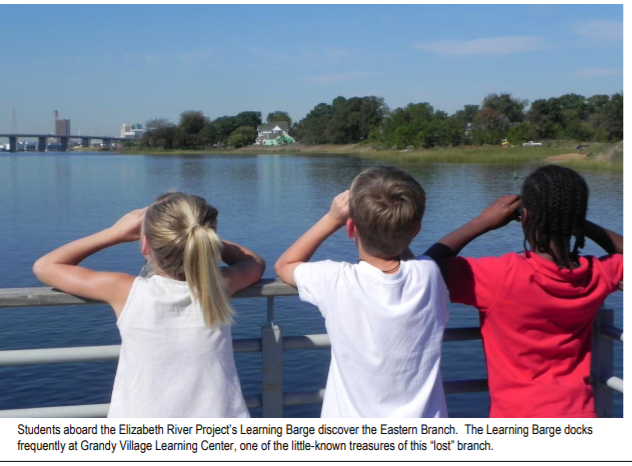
(536, 322)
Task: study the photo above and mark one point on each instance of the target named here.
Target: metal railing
(272, 344)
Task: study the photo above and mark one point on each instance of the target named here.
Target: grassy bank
(598, 156)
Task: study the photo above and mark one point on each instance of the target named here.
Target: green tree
(505, 104)
(345, 121)
(491, 127)
(160, 138)
(192, 121)
(252, 119)
(157, 123)
(279, 115)
(242, 136)
(522, 132)
(311, 129)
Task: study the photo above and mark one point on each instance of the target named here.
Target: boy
(385, 315)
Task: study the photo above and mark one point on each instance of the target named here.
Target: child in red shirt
(536, 308)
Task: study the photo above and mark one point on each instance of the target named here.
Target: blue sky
(102, 66)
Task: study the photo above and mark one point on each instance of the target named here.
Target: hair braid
(556, 200)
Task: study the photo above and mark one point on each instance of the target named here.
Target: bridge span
(42, 139)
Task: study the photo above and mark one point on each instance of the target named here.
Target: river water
(265, 202)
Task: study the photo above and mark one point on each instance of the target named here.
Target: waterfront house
(268, 133)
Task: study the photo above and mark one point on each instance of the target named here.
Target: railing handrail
(46, 296)
(272, 338)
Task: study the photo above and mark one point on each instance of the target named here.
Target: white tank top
(171, 364)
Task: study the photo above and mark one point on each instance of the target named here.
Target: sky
(102, 66)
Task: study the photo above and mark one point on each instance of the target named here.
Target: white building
(271, 130)
(132, 131)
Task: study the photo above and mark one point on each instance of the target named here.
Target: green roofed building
(274, 133)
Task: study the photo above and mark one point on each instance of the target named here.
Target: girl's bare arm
(245, 266)
(60, 268)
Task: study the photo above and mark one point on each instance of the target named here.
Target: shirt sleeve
(475, 282)
(612, 268)
(315, 281)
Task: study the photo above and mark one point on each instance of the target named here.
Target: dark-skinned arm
(496, 215)
(609, 241)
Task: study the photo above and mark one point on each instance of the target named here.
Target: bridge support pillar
(64, 144)
(107, 144)
(13, 143)
(85, 142)
(41, 144)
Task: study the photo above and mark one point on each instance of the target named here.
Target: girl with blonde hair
(176, 354)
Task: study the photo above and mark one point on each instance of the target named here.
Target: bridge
(42, 139)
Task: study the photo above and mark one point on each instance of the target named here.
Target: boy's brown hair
(386, 205)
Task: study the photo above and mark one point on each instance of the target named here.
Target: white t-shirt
(171, 364)
(385, 332)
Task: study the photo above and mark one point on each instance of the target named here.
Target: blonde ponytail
(202, 255)
(180, 230)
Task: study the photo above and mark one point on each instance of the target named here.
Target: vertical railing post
(602, 364)
(272, 365)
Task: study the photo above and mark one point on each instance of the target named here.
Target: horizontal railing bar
(92, 353)
(44, 296)
(59, 355)
(305, 342)
(304, 398)
(611, 331)
(247, 345)
(615, 383)
(253, 401)
(100, 410)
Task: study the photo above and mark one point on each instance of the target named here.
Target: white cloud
(598, 72)
(335, 78)
(495, 46)
(601, 30)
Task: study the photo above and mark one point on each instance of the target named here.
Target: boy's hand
(502, 211)
(339, 210)
(128, 227)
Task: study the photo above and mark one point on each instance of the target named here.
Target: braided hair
(556, 199)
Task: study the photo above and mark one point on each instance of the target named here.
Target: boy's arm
(60, 268)
(610, 241)
(496, 215)
(305, 247)
(245, 266)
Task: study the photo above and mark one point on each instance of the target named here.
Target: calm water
(265, 202)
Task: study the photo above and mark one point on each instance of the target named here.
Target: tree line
(369, 119)
(196, 131)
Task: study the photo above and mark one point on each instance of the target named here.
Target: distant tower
(14, 124)
(62, 126)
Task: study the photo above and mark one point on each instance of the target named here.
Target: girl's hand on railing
(128, 228)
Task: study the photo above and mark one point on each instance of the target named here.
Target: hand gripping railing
(271, 344)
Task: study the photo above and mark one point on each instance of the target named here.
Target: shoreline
(600, 156)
